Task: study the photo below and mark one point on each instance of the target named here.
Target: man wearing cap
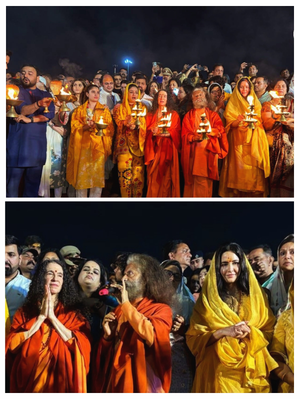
(72, 257)
(16, 285)
(27, 261)
(167, 75)
(34, 242)
(196, 263)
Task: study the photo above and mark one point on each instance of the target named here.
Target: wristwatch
(31, 119)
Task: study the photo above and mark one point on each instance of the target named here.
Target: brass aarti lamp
(279, 108)
(250, 120)
(165, 122)
(204, 127)
(138, 112)
(101, 125)
(12, 92)
(63, 96)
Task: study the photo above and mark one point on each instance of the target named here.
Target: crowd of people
(171, 134)
(191, 322)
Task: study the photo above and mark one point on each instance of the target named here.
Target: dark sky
(95, 38)
(100, 229)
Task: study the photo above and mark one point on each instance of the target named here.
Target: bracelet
(37, 103)
(31, 119)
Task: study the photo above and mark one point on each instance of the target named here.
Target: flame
(63, 92)
(250, 100)
(12, 95)
(275, 109)
(274, 94)
(101, 120)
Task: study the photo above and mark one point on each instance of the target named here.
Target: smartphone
(154, 63)
(175, 91)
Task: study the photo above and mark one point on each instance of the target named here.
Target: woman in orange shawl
(129, 144)
(87, 151)
(231, 327)
(247, 165)
(161, 150)
(48, 349)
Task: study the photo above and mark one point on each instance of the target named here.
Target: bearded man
(134, 353)
(26, 142)
(16, 285)
(201, 152)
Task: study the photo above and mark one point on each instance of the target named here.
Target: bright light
(127, 61)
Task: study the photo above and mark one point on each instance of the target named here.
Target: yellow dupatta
(125, 110)
(238, 105)
(249, 355)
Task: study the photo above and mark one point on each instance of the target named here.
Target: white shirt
(15, 293)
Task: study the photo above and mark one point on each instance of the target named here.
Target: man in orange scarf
(199, 156)
(134, 353)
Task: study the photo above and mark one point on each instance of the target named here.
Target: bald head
(108, 83)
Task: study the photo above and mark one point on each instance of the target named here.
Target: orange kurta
(88, 152)
(200, 159)
(247, 166)
(161, 156)
(44, 363)
(139, 352)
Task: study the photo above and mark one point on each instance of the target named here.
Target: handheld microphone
(107, 291)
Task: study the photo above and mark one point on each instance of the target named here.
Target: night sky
(100, 229)
(81, 40)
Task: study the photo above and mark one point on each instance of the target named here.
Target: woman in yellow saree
(231, 327)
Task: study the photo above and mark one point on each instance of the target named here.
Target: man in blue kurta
(26, 142)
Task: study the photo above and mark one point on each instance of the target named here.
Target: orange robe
(246, 168)
(200, 159)
(161, 156)
(138, 358)
(88, 152)
(44, 363)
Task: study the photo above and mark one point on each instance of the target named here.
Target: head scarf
(212, 314)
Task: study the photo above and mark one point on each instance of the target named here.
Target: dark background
(100, 229)
(80, 40)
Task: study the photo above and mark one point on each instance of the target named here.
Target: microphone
(108, 291)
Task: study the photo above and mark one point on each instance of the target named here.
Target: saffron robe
(200, 159)
(161, 158)
(44, 363)
(139, 352)
(88, 152)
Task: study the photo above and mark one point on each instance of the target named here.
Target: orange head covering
(125, 108)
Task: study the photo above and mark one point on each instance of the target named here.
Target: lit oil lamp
(138, 112)
(250, 120)
(279, 108)
(64, 96)
(204, 127)
(100, 125)
(165, 122)
(12, 92)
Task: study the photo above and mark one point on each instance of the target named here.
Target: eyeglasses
(176, 276)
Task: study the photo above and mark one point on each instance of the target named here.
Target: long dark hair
(243, 278)
(103, 274)
(82, 95)
(170, 102)
(68, 295)
(157, 284)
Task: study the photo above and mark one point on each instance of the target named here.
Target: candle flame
(101, 121)
(250, 100)
(274, 94)
(12, 94)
